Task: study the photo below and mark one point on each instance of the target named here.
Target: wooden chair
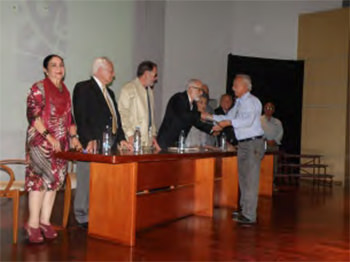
(12, 189)
(70, 184)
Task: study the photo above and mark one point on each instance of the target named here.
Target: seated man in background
(181, 114)
(273, 129)
(226, 103)
(273, 133)
(208, 109)
(196, 137)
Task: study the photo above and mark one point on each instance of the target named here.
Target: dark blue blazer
(179, 116)
(92, 113)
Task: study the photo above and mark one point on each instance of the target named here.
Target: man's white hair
(100, 62)
(246, 79)
(192, 82)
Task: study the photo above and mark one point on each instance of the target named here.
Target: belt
(250, 139)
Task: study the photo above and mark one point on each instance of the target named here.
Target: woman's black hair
(48, 58)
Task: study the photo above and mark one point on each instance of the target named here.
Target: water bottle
(223, 142)
(182, 140)
(137, 140)
(106, 141)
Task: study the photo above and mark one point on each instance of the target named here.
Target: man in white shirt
(273, 133)
(273, 129)
(245, 119)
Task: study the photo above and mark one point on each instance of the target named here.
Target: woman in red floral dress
(51, 129)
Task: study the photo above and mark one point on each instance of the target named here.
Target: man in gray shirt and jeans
(245, 119)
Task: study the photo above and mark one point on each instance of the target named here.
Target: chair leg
(67, 201)
(15, 215)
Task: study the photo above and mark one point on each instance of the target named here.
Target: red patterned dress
(53, 106)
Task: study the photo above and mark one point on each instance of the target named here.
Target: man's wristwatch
(72, 136)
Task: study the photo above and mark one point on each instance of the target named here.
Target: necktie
(149, 109)
(114, 117)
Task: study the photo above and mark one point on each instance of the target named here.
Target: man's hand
(131, 140)
(217, 128)
(216, 133)
(225, 123)
(91, 147)
(125, 145)
(156, 145)
(206, 116)
(54, 143)
(75, 144)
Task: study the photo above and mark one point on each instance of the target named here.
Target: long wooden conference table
(129, 191)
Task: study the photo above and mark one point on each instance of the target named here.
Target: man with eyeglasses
(181, 114)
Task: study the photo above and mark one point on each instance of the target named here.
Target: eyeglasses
(269, 108)
(198, 88)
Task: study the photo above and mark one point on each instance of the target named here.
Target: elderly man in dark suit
(95, 108)
(181, 114)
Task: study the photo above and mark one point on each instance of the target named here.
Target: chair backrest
(4, 167)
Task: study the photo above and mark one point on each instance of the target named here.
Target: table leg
(112, 209)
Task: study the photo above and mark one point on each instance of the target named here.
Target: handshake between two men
(218, 126)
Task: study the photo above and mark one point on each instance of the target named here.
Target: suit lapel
(186, 100)
(98, 92)
(102, 101)
(141, 94)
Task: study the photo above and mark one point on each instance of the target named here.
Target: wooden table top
(128, 157)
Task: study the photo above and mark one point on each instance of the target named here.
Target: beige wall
(200, 34)
(324, 45)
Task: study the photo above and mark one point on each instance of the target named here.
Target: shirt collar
(98, 82)
(244, 97)
(189, 98)
(270, 120)
(140, 85)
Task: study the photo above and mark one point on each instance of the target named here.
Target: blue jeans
(250, 154)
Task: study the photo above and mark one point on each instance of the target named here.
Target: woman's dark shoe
(33, 234)
(48, 231)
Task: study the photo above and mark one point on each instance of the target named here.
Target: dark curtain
(279, 82)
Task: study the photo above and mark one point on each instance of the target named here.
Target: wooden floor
(298, 224)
